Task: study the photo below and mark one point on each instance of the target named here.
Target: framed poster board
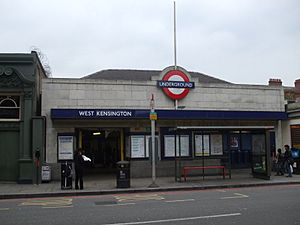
(65, 146)
(169, 145)
(201, 145)
(216, 144)
(137, 146)
(184, 145)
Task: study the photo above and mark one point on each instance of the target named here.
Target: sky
(240, 41)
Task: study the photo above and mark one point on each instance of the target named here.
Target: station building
(107, 114)
(200, 120)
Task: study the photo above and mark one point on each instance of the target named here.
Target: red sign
(176, 84)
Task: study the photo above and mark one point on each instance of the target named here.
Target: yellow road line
(138, 197)
(57, 207)
(48, 202)
(4, 209)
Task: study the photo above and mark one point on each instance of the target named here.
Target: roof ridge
(142, 74)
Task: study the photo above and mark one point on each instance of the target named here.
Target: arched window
(9, 107)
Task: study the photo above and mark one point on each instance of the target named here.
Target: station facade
(107, 114)
(200, 119)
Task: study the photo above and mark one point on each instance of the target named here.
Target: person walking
(288, 160)
(79, 164)
(279, 163)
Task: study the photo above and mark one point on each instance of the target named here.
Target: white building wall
(81, 93)
(114, 94)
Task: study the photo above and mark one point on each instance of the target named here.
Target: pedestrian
(288, 160)
(274, 159)
(79, 164)
(279, 163)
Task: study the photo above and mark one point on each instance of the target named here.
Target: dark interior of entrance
(102, 146)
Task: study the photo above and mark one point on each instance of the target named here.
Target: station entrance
(102, 146)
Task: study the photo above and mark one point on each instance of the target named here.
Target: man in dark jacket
(288, 160)
(279, 163)
(79, 164)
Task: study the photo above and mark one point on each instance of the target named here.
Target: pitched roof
(142, 75)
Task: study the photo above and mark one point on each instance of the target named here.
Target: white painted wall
(87, 93)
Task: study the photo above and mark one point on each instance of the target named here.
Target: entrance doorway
(102, 146)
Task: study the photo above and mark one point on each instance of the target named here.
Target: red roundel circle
(176, 75)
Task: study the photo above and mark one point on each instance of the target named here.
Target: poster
(65, 147)
(216, 144)
(234, 141)
(184, 145)
(169, 141)
(202, 145)
(137, 146)
(170, 145)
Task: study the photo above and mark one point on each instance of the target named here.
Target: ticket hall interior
(102, 146)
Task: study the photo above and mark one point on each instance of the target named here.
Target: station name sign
(98, 114)
(105, 113)
(175, 84)
(92, 113)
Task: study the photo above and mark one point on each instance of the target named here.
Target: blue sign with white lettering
(165, 114)
(91, 113)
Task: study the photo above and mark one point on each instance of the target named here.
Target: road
(244, 206)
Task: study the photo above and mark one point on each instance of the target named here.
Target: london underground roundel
(176, 84)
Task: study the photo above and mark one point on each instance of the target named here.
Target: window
(9, 107)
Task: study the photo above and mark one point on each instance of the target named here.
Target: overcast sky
(240, 41)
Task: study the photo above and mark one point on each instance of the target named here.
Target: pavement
(107, 185)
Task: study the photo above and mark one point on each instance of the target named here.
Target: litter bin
(123, 174)
(66, 175)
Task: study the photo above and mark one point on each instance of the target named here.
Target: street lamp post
(153, 117)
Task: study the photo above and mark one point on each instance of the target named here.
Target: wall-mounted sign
(93, 113)
(99, 114)
(153, 116)
(65, 145)
(175, 83)
(169, 145)
(201, 145)
(137, 146)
